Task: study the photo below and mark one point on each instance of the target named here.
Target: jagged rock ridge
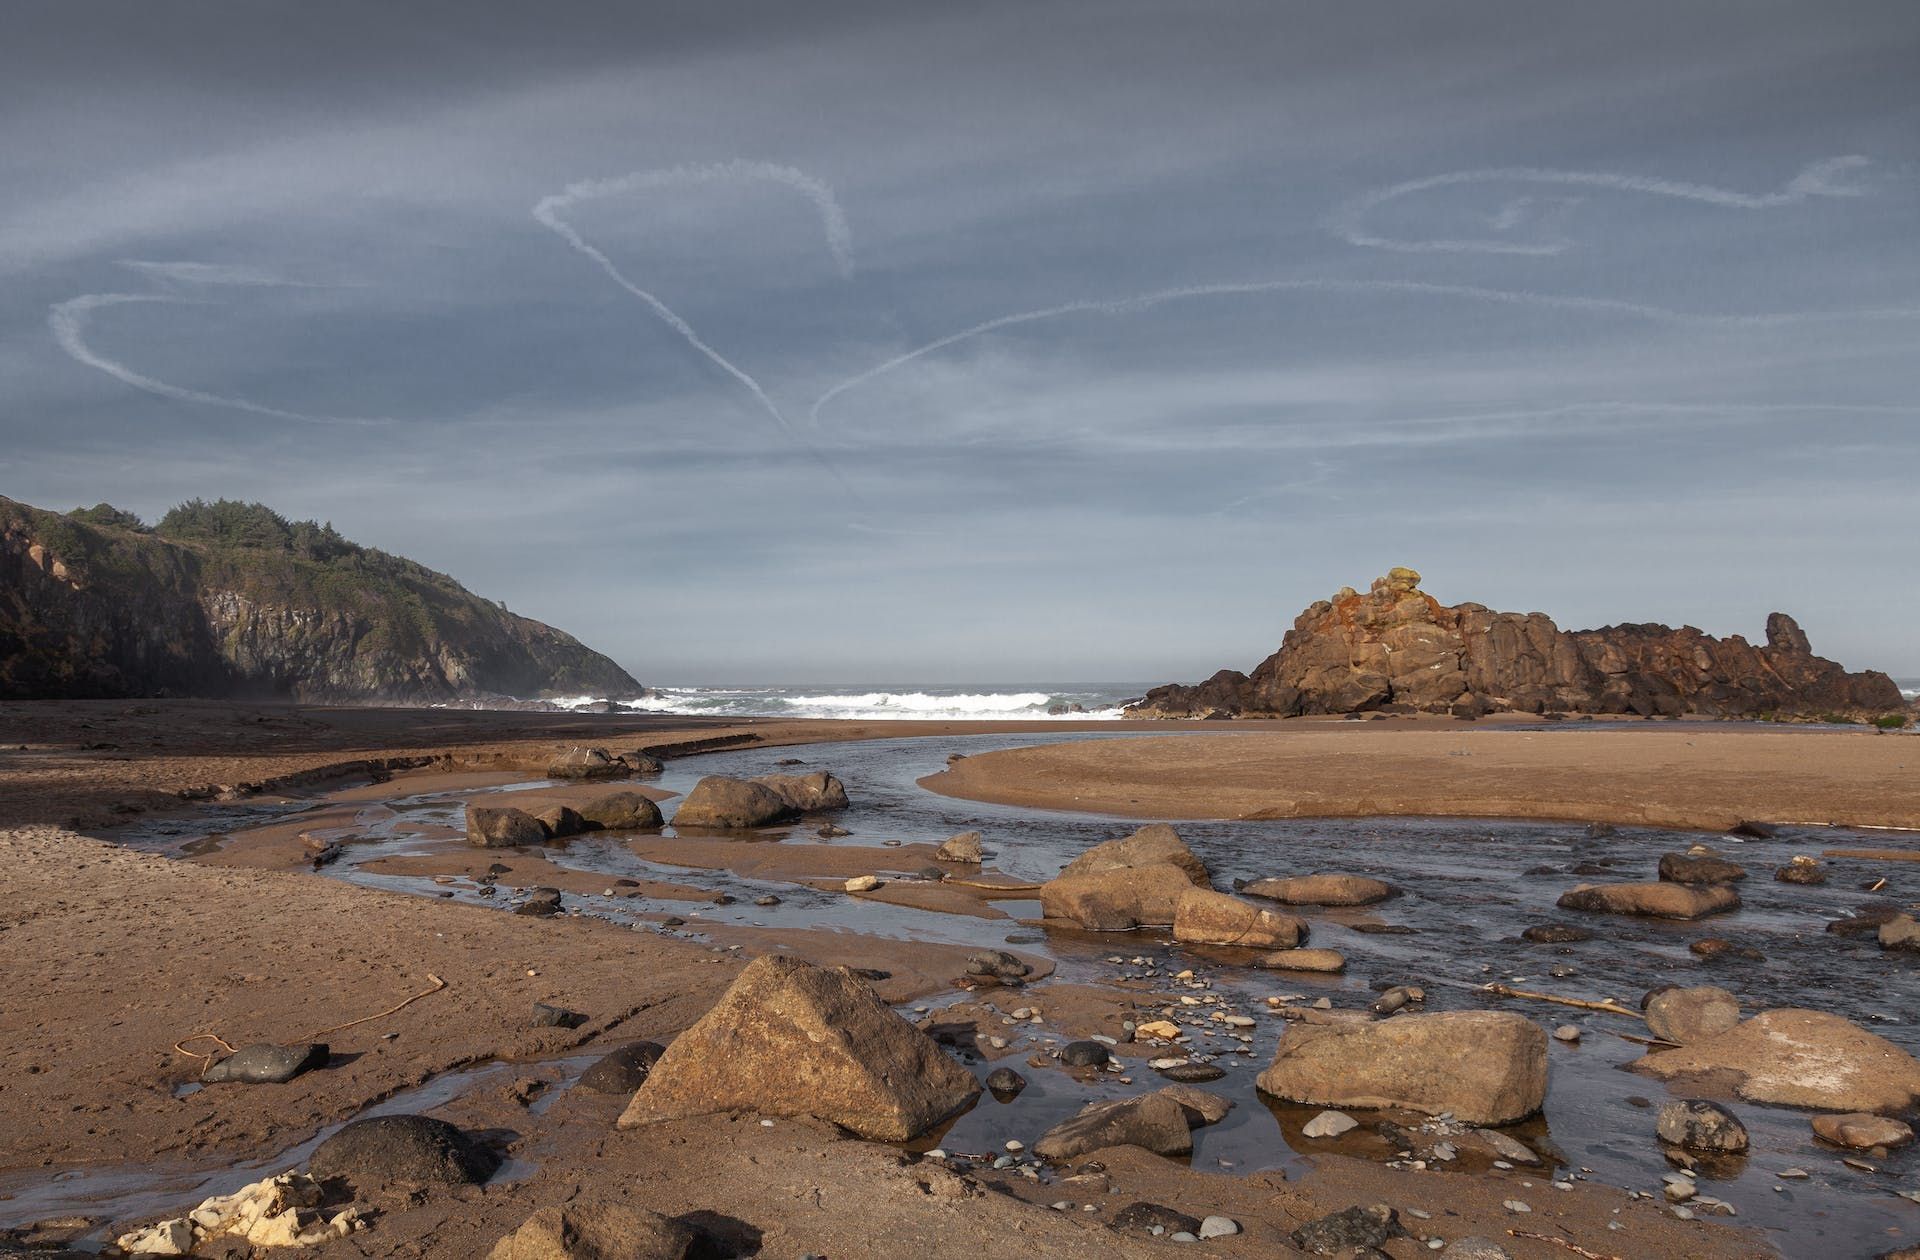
(1397, 647)
(232, 600)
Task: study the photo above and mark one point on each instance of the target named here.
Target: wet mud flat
(1467, 889)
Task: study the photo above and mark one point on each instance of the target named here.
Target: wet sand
(1658, 775)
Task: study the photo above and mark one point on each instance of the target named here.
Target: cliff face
(1396, 646)
(112, 609)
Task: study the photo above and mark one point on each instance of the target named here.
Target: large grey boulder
(490, 827)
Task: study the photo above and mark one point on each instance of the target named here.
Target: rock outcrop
(229, 600)
(792, 1039)
(1135, 881)
(1397, 647)
(1799, 1058)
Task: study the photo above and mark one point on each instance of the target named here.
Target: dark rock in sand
(1143, 1218)
(1703, 868)
(587, 763)
(1555, 934)
(623, 1071)
(560, 821)
(1005, 1083)
(997, 962)
(596, 1231)
(540, 902)
(389, 1151)
(1802, 870)
(266, 1064)
(1697, 1125)
(622, 811)
(1354, 1229)
(491, 828)
(1082, 1054)
(732, 804)
(547, 1015)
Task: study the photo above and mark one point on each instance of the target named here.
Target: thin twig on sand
(1610, 1006)
(1575, 1248)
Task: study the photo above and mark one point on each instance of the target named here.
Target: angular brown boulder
(792, 1039)
(726, 804)
(1699, 868)
(1156, 1122)
(1152, 845)
(963, 848)
(1486, 1067)
(1684, 1016)
(560, 821)
(596, 1231)
(1799, 1058)
(1660, 901)
(587, 763)
(1325, 889)
(806, 793)
(1117, 899)
(621, 811)
(1205, 917)
(489, 827)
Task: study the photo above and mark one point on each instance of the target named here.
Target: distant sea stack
(1397, 648)
(232, 600)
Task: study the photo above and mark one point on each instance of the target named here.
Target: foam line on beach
(1818, 179)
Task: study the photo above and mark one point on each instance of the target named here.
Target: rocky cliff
(232, 600)
(1397, 647)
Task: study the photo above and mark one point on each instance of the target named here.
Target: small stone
(863, 883)
(1697, 1125)
(547, 1015)
(266, 1064)
(1329, 1124)
(1515, 1205)
(1218, 1227)
(1567, 1032)
(1005, 1082)
(1084, 1054)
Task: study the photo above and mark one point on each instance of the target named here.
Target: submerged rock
(1555, 934)
(266, 1064)
(1801, 870)
(1901, 932)
(792, 1039)
(1322, 890)
(1297, 959)
(1660, 900)
(732, 805)
(1704, 867)
(1862, 1132)
(1800, 1058)
(389, 1151)
(501, 828)
(596, 1231)
(1486, 1067)
(1205, 917)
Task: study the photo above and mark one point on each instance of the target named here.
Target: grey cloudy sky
(843, 341)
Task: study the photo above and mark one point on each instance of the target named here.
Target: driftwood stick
(1610, 1006)
(1575, 1248)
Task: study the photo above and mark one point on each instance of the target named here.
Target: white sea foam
(874, 704)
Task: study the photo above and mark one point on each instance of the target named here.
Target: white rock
(1566, 1032)
(863, 883)
(1218, 1227)
(1329, 1124)
(167, 1238)
(1514, 1205)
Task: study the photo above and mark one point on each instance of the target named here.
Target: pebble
(1566, 1032)
(1218, 1227)
(1515, 1205)
(1329, 1124)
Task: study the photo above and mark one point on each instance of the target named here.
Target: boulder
(963, 848)
(1660, 901)
(587, 763)
(1082, 1054)
(624, 1070)
(621, 811)
(1005, 1083)
(642, 762)
(1684, 1016)
(401, 1151)
(595, 1231)
(1156, 1122)
(806, 793)
(1321, 960)
(1351, 1231)
(1861, 1132)
(1117, 899)
(1799, 1058)
(1486, 1067)
(792, 1039)
(489, 827)
(1700, 868)
(265, 1064)
(1205, 917)
(1901, 932)
(560, 821)
(540, 902)
(1697, 1125)
(732, 804)
(1321, 890)
(1152, 845)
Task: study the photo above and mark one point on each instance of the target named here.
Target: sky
(1032, 341)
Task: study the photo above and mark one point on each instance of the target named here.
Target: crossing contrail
(1820, 179)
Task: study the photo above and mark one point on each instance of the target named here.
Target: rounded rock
(1695, 1124)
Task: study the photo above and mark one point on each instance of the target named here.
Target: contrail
(1820, 179)
(211, 273)
(1143, 301)
(68, 320)
(548, 211)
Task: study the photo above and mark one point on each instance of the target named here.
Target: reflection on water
(1469, 888)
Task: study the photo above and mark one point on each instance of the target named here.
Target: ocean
(884, 702)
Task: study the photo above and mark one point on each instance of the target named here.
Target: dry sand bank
(1653, 775)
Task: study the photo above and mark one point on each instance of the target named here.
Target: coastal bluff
(1398, 649)
(231, 601)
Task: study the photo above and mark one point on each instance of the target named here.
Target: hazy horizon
(1078, 342)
